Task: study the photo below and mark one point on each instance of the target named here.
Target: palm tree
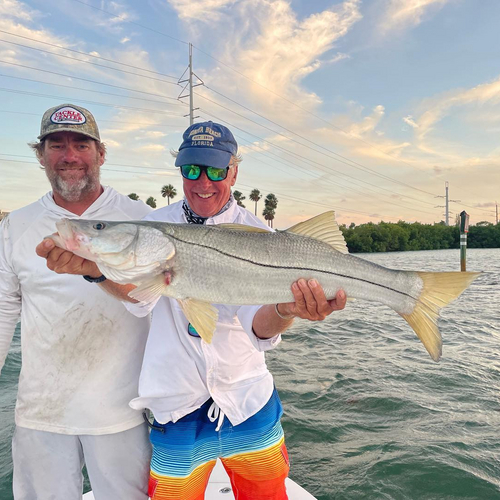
(268, 214)
(133, 196)
(255, 196)
(151, 202)
(270, 203)
(168, 191)
(238, 196)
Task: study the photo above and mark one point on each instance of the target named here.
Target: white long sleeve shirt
(81, 352)
(180, 372)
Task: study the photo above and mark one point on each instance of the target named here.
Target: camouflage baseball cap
(69, 118)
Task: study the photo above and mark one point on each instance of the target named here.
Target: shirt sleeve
(10, 293)
(140, 309)
(245, 315)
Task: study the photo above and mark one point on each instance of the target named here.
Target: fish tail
(439, 289)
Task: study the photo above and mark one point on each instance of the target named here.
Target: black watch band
(95, 280)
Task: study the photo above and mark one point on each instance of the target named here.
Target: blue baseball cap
(207, 144)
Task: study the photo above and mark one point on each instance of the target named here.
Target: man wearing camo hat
(81, 352)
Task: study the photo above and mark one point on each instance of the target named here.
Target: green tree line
(402, 236)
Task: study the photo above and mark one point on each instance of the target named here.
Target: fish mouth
(70, 239)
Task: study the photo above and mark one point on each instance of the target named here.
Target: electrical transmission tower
(190, 86)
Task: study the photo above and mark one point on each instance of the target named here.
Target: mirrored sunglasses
(193, 172)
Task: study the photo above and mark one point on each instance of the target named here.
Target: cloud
(17, 10)
(410, 121)
(438, 108)
(201, 10)
(151, 148)
(283, 49)
(368, 123)
(336, 58)
(402, 14)
(155, 134)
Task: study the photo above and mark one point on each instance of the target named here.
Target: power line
(84, 53)
(319, 164)
(88, 62)
(352, 162)
(102, 168)
(302, 108)
(83, 79)
(100, 120)
(316, 203)
(111, 164)
(329, 181)
(118, 106)
(100, 91)
(132, 22)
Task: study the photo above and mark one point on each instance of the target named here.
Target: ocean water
(367, 413)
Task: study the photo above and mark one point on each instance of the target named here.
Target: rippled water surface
(368, 414)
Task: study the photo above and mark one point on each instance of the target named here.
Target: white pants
(48, 466)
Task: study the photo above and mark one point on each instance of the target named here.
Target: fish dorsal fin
(202, 315)
(242, 227)
(323, 227)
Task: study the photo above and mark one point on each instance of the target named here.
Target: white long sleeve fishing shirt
(81, 352)
(180, 372)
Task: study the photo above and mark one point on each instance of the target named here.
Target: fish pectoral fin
(202, 315)
(243, 227)
(149, 290)
(324, 228)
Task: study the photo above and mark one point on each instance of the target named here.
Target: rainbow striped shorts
(253, 454)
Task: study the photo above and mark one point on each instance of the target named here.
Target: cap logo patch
(202, 137)
(68, 115)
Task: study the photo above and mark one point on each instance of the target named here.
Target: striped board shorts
(253, 454)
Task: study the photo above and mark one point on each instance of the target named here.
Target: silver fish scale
(262, 266)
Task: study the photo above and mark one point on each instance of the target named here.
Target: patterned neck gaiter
(193, 218)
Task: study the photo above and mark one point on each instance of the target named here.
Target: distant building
(3, 214)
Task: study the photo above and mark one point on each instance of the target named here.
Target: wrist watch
(100, 279)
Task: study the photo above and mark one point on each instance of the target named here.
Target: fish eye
(99, 226)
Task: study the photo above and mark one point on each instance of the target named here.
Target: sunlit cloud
(336, 58)
(202, 10)
(410, 121)
(401, 14)
(438, 108)
(152, 148)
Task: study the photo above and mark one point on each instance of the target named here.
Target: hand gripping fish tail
(202, 265)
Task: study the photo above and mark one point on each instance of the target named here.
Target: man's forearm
(267, 324)
(118, 291)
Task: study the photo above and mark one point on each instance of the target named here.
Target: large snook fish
(233, 264)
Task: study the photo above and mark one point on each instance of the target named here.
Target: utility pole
(189, 84)
(496, 212)
(447, 204)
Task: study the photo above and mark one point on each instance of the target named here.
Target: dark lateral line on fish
(295, 268)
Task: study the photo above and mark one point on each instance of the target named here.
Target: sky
(369, 108)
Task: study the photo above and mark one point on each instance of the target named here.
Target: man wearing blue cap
(215, 400)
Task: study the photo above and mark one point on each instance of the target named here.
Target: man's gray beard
(73, 192)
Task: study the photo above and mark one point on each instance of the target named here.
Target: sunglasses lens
(191, 172)
(216, 174)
